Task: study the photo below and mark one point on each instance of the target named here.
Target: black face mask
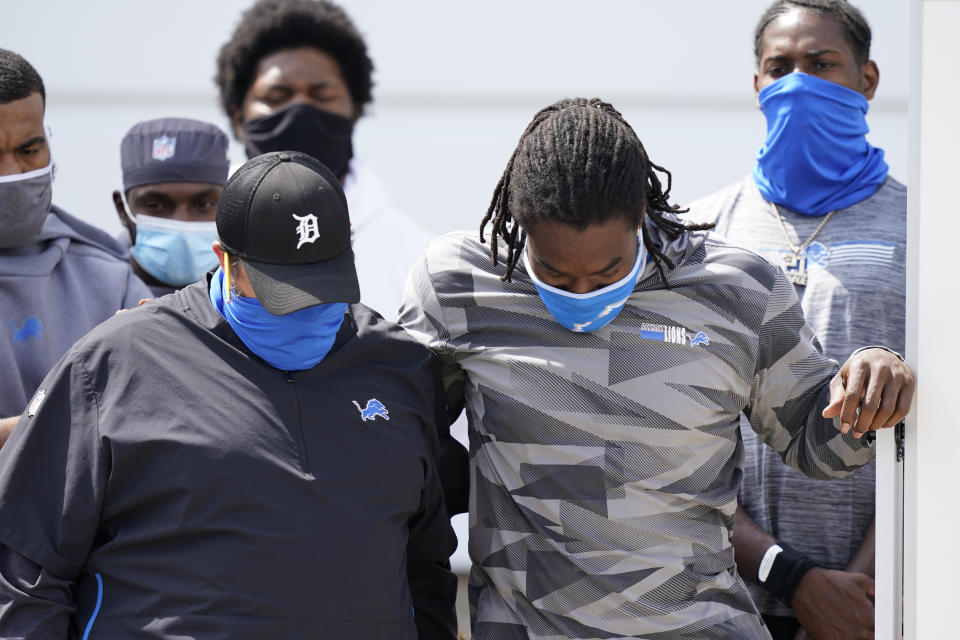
(302, 127)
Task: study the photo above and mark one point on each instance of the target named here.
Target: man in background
(174, 170)
(59, 277)
(295, 75)
(820, 204)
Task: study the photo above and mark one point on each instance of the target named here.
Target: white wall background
(456, 85)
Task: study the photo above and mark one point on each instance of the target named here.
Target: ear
(236, 121)
(124, 218)
(869, 78)
(218, 249)
(756, 90)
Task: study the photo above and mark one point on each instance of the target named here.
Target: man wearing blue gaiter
(253, 456)
(820, 205)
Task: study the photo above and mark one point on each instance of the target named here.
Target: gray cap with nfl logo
(284, 214)
(173, 150)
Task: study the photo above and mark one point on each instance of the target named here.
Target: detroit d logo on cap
(307, 230)
(164, 147)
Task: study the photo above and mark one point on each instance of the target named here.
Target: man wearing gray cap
(253, 456)
(59, 277)
(174, 170)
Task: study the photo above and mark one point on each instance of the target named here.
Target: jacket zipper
(298, 426)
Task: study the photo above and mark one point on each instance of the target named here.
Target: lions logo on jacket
(373, 409)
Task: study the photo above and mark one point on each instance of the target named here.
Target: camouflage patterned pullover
(605, 465)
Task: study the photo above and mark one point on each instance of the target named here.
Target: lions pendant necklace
(795, 266)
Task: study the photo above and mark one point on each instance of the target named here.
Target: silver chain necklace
(795, 266)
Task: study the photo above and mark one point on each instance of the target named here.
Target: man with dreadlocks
(819, 202)
(604, 356)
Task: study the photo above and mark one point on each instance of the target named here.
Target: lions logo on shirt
(30, 329)
(700, 338)
(675, 335)
(373, 409)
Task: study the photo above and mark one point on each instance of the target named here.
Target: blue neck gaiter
(587, 312)
(816, 158)
(292, 342)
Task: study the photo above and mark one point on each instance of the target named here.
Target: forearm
(784, 572)
(863, 559)
(34, 603)
(750, 542)
(818, 449)
(6, 428)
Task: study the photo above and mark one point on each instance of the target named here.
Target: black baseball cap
(284, 214)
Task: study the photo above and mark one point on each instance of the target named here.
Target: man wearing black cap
(252, 456)
(59, 277)
(173, 172)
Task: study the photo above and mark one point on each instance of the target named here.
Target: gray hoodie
(52, 292)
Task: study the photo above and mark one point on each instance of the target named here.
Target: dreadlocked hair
(579, 163)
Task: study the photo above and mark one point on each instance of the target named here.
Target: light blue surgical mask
(587, 312)
(816, 158)
(291, 342)
(175, 252)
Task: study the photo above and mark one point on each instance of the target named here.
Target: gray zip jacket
(605, 465)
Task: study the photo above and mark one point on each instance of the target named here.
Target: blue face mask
(816, 158)
(174, 251)
(292, 342)
(587, 312)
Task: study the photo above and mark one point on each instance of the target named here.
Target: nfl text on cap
(173, 150)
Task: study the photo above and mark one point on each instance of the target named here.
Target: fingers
(904, 399)
(893, 403)
(865, 582)
(854, 390)
(888, 403)
(872, 403)
(864, 613)
(832, 410)
(873, 390)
